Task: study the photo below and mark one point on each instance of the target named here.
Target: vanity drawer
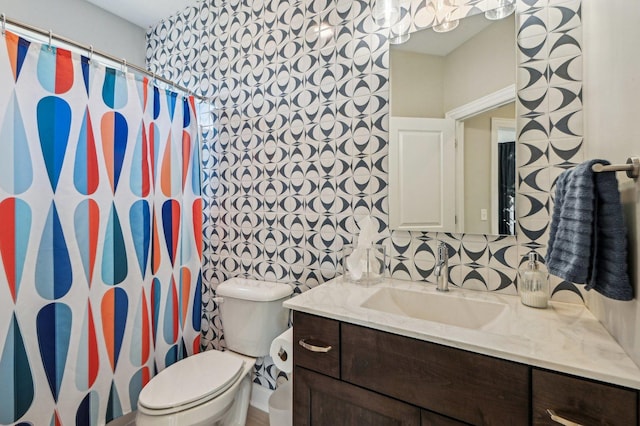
(321, 339)
(581, 401)
(469, 387)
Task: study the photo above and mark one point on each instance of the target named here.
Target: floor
(257, 417)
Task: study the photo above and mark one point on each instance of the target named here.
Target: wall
(416, 84)
(482, 65)
(478, 67)
(82, 22)
(477, 167)
(297, 152)
(612, 89)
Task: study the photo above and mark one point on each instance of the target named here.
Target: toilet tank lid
(258, 291)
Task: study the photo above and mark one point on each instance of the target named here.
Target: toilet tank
(252, 314)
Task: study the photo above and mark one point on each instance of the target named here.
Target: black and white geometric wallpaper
(295, 140)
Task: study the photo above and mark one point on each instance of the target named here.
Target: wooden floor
(257, 417)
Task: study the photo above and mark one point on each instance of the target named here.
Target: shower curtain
(100, 235)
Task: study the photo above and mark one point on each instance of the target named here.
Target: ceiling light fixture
(386, 12)
(400, 30)
(444, 8)
(504, 9)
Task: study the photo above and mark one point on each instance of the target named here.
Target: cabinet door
(322, 401)
(581, 401)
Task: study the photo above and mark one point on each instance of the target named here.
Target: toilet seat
(191, 382)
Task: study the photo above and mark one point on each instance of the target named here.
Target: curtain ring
(50, 39)
(124, 65)
(4, 24)
(90, 53)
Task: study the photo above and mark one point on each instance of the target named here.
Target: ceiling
(143, 13)
(429, 42)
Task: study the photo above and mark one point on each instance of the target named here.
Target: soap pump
(534, 288)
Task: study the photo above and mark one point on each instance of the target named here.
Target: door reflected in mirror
(461, 179)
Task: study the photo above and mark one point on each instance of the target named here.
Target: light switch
(483, 214)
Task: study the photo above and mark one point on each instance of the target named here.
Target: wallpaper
(297, 152)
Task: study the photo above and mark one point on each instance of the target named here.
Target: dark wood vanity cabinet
(322, 400)
(473, 388)
(581, 401)
(370, 377)
(317, 331)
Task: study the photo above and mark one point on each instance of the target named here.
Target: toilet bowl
(214, 387)
(204, 389)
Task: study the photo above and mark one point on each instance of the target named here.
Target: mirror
(452, 161)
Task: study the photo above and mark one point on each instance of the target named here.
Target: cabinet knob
(561, 420)
(314, 346)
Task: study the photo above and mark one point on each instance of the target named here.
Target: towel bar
(632, 167)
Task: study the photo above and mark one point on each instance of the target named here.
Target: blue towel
(588, 238)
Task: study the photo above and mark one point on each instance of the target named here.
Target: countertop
(565, 337)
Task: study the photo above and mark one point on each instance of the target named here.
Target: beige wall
(482, 65)
(477, 167)
(611, 94)
(417, 86)
(82, 22)
(429, 86)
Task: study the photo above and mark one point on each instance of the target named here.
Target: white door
(422, 159)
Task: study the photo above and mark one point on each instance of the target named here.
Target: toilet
(214, 387)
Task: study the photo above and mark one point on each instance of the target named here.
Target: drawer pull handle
(314, 348)
(559, 419)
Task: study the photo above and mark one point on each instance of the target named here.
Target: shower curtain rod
(93, 51)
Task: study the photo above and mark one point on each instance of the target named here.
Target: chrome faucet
(442, 268)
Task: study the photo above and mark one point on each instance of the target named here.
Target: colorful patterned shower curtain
(100, 235)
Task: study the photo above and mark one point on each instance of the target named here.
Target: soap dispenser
(534, 287)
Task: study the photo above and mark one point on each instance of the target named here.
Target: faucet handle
(442, 268)
(443, 252)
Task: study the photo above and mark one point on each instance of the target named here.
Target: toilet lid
(201, 376)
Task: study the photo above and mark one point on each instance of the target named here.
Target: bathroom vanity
(362, 356)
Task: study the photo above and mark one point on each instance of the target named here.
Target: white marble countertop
(565, 337)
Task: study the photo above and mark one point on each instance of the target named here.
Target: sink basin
(443, 308)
